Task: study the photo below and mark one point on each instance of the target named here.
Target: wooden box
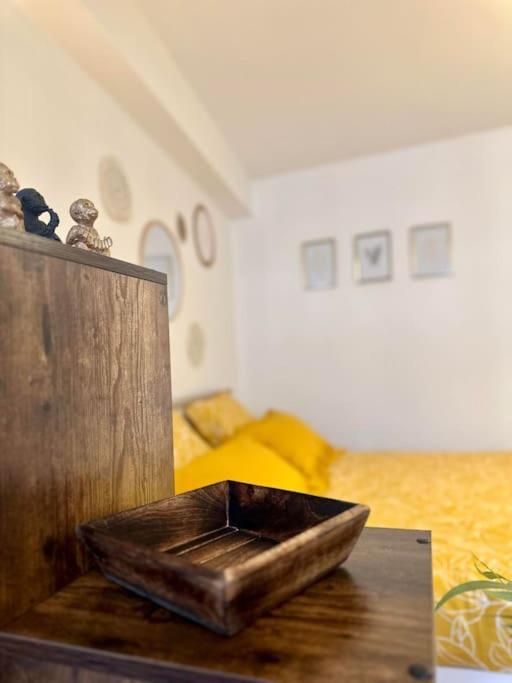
(225, 553)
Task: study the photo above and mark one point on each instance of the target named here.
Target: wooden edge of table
(106, 661)
(42, 245)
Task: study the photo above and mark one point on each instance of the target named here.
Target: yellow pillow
(294, 441)
(187, 444)
(217, 418)
(240, 459)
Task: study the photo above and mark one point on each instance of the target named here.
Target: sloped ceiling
(295, 83)
(115, 44)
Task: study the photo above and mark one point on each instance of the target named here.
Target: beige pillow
(217, 418)
(187, 444)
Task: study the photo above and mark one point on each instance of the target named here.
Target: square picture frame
(319, 264)
(430, 250)
(373, 257)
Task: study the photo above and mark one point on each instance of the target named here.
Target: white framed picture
(319, 264)
(373, 260)
(431, 250)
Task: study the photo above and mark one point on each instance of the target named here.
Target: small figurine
(33, 205)
(11, 214)
(84, 235)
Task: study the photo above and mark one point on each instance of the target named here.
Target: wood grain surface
(44, 246)
(85, 427)
(370, 621)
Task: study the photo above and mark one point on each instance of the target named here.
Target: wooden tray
(225, 553)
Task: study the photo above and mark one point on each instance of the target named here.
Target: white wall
(407, 364)
(55, 125)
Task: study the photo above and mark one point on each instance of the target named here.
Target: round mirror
(159, 251)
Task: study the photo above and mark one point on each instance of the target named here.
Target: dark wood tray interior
(222, 548)
(220, 520)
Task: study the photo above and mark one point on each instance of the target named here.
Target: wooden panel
(172, 521)
(371, 620)
(84, 410)
(279, 515)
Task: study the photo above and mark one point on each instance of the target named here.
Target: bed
(464, 499)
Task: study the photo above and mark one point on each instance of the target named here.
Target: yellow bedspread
(466, 500)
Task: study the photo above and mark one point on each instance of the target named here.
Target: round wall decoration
(181, 227)
(159, 251)
(114, 189)
(204, 235)
(195, 344)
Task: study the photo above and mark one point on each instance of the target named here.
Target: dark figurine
(33, 205)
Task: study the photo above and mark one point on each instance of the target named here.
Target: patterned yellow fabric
(187, 444)
(297, 443)
(217, 418)
(240, 459)
(466, 500)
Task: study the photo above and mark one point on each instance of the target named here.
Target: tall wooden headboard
(85, 405)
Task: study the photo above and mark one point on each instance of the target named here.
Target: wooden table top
(369, 621)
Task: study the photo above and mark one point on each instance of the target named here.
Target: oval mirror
(159, 251)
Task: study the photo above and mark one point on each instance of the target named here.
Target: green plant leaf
(494, 576)
(470, 586)
(502, 595)
(496, 586)
(489, 573)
